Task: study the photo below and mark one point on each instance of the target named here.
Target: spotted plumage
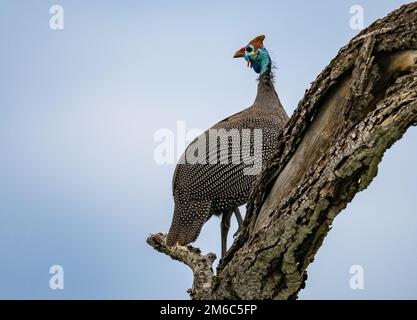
(216, 183)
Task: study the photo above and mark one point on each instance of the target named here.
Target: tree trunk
(362, 102)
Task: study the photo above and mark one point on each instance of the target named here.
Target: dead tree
(361, 103)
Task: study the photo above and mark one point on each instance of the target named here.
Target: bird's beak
(239, 53)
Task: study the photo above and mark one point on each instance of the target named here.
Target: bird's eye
(249, 49)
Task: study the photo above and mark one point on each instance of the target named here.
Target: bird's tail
(187, 222)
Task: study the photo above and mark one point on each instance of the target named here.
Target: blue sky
(79, 107)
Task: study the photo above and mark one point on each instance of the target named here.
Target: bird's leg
(239, 221)
(225, 225)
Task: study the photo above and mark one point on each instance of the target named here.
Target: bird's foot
(236, 233)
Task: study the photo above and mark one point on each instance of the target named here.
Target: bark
(360, 104)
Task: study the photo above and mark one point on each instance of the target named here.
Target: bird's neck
(267, 96)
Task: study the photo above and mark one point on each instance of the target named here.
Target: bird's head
(256, 55)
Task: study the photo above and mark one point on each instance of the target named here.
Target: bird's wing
(220, 181)
(182, 159)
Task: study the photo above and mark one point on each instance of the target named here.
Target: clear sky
(79, 107)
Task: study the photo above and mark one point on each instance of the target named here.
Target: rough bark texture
(362, 102)
(201, 265)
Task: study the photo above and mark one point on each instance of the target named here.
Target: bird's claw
(236, 233)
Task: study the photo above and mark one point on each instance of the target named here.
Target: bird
(206, 180)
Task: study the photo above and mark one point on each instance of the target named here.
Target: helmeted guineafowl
(216, 172)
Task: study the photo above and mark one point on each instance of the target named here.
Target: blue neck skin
(261, 63)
